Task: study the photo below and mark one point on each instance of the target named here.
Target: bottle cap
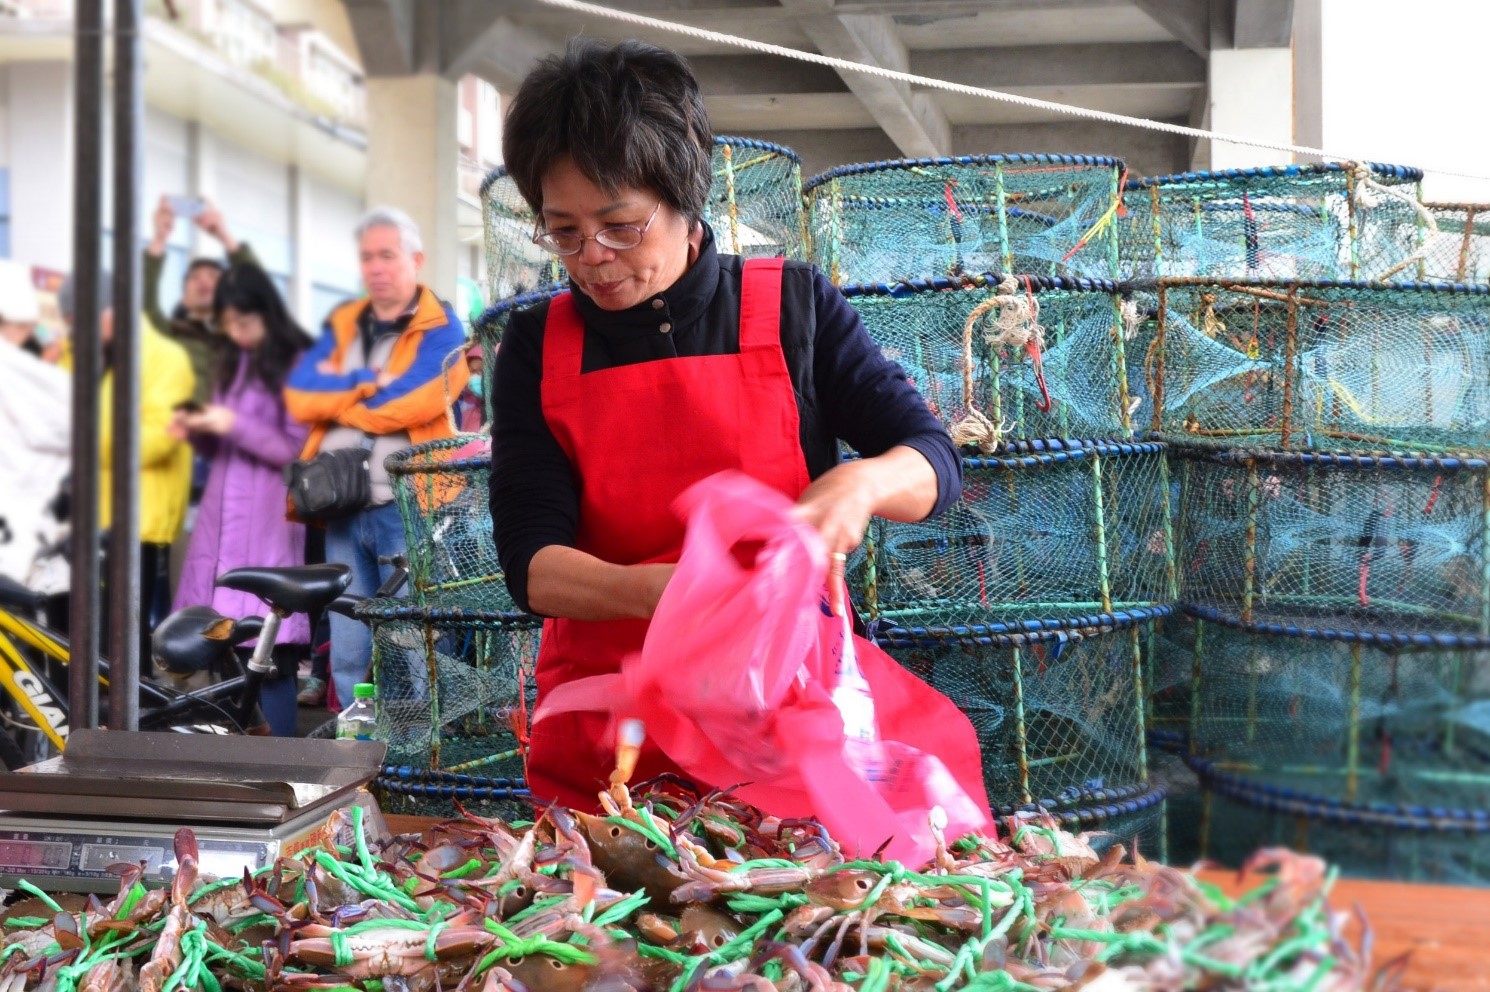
(364, 690)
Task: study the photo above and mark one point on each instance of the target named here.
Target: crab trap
(1359, 724)
(514, 264)
(1049, 215)
(1001, 357)
(443, 493)
(1051, 529)
(491, 326)
(1321, 366)
(754, 207)
(1372, 548)
(755, 199)
(1439, 846)
(1459, 249)
(455, 688)
(1305, 222)
(1058, 713)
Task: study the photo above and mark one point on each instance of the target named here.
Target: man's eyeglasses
(618, 237)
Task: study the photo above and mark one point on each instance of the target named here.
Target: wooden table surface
(1446, 928)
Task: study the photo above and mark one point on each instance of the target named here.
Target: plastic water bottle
(358, 722)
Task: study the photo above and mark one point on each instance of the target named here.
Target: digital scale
(119, 797)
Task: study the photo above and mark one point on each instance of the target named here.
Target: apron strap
(563, 338)
(760, 304)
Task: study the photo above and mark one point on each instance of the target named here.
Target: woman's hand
(899, 485)
(212, 419)
(839, 504)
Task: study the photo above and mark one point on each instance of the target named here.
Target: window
(331, 80)
(245, 34)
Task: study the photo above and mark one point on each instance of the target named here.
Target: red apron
(638, 436)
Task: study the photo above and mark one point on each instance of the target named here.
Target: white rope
(720, 38)
(1369, 193)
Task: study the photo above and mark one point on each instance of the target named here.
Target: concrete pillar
(1251, 96)
(40, 139)
(411, 164)
(202, 175)
(302, 279)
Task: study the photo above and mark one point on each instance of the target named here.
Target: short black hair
(204, 262)
(631, 114)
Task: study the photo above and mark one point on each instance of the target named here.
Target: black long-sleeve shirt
(845, 388)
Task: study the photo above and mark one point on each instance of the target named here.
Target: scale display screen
(34, 854)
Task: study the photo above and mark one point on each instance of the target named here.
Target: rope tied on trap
(1016, 325)
(1366, 193)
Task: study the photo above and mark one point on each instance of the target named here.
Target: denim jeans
(359, 541)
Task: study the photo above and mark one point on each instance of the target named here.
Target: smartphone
(187, 206)
(190, 406)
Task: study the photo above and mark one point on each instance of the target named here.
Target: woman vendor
(665, 363)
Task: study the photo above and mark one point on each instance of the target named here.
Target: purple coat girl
(241, 520)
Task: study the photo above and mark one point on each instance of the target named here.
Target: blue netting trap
(514, 265)
(1038, 214)
(1048, 530)
(1058, 713)
(443, 493)
(1032, 356)
(1459, 250)
(1359, 725)
(492, 325)
(1307, 222)
(455, 689)
(1390, 550)
(1324, 366)
(1238, 816)
(755, 201)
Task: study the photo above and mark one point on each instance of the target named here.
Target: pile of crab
(672, 890)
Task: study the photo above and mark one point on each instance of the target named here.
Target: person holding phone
(248, 437)
(190, 324)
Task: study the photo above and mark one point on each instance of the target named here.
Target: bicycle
(193, 639)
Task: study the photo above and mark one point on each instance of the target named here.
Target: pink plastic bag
(746, 676)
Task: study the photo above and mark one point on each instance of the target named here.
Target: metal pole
(124, 538)
(82, 673)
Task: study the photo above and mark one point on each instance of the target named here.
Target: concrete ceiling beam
(1188, 20)
(912, 120)
(1157, 63)
(1262, 24)
(385, 33)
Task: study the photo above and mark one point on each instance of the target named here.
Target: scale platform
(119, 797)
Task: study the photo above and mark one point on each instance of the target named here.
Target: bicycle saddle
(293, 589)
(194, 638)
(14, 596)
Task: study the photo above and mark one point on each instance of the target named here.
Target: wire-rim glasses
(617, 237)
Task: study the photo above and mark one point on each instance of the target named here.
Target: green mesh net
(492, 325)
(1047, 355)
(1459, 251)
(1059, 715)
(1386, 549)
(1311, 222)
(1236, 821)
(514, 265)
(755, 200)
(1058, 530)
(454, 686)
(443, 493)
(1322, 367)
(1357, 723)
(1048, 215)
(1169, 656)
(754, 207)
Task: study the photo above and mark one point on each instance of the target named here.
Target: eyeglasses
(618, 237)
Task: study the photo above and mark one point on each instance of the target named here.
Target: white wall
(1251, 93)
(1407, 86)
(39, 125)
(332, 250)
(253, 193)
